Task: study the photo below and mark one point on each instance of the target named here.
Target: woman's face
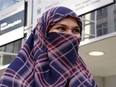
(67, 25)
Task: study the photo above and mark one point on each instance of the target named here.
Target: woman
(50, 56)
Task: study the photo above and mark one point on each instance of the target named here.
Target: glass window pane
(7, 3)
(7, 59)
(102, 29)
(9, 48)
(2, 49)
(99, 32)
(115, 25)
(17, 46)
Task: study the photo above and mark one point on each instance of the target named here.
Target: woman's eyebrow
(61, 24)
(77, 27)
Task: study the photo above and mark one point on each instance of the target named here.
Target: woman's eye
(75, 31)
(60, 28)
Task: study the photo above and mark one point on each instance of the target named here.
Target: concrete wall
(106, 81)
(110, 81)
(100, 81)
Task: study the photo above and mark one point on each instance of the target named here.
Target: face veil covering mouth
(49, 59)
(63, 46)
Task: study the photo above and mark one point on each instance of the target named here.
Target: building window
(102, 29)
(9, 51)
(114, 11)
(2, 49)
(17, 46)
(7, 3)
(88, 26)
(114, 24)
(102, 12)
(9, 48)
(12, 47)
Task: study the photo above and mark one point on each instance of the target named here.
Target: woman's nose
(68, 32)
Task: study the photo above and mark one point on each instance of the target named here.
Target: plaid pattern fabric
(49, 59)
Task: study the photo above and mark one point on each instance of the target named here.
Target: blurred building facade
(97, 23)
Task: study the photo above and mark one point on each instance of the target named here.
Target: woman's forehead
(69, 20)
(54, 15)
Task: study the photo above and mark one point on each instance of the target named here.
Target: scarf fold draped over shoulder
(49, 59)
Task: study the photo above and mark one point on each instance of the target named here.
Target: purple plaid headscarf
(49, 59)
